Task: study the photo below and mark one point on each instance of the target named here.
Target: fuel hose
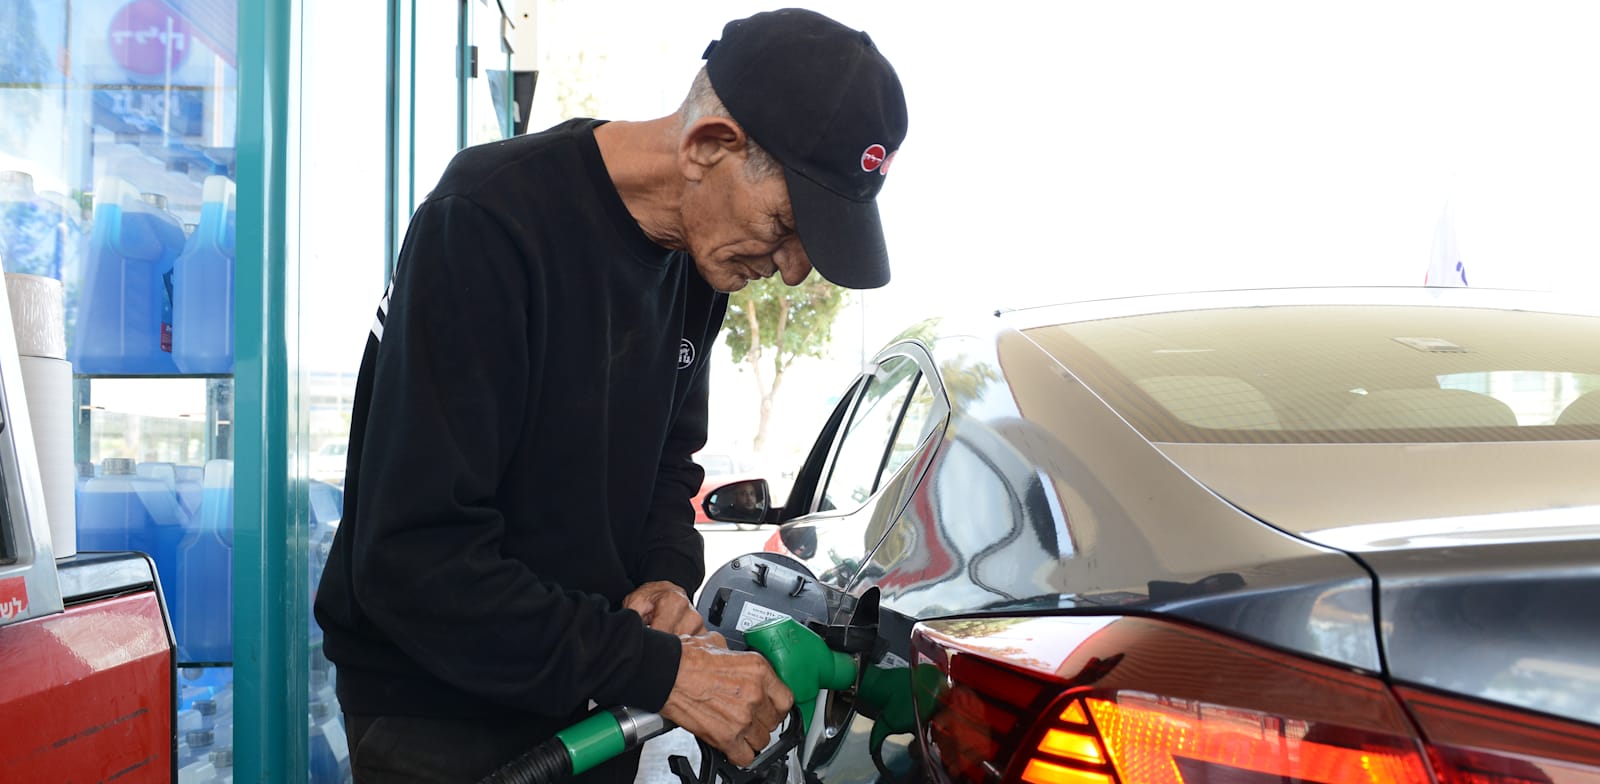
(582, 746)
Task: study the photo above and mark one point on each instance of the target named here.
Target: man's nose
(792, 262)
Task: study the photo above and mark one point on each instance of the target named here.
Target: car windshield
(1341, 374)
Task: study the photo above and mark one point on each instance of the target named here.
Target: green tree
(575, 84)
(964, 380)
(770, 325)
(568, 71)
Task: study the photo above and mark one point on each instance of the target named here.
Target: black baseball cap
(825, 103)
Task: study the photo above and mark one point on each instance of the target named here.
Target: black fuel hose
(546, 763)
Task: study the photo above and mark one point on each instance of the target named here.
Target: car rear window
(1341, 374)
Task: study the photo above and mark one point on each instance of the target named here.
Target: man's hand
(730, 699)
(665, 607)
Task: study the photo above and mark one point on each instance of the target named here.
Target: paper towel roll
(38, 314)
(48, 385)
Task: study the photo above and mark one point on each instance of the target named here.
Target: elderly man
(543, 344)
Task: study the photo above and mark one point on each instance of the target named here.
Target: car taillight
(1474, 743)
(1143, 701)
(1155, 739)
(982, 707)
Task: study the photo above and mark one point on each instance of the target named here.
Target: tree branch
(778, 363)
(753, 356)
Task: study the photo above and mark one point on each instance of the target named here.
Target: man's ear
(706, 142)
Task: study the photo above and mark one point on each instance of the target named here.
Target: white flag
(1445, 268)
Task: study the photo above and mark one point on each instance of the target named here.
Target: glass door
(487, 107)
(118, 183)
(340, 186)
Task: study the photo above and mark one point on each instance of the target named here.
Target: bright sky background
(1059, 151)
(1063, 151)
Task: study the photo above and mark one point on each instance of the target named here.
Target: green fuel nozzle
(800, 658)
(802, 661)
(577, 749)
(607, 733)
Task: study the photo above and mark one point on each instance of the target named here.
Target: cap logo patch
(873, 157)
(685, 354)
(884, 169)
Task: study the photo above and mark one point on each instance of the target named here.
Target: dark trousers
(412, 750)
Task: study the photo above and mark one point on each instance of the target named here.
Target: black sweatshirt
(520, 448)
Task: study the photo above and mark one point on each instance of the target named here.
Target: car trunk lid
(1487, 556)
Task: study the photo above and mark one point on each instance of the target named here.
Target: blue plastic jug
(328, 752)
(37, 234)
(167, 474)
(209, 683)
(41, 234)
(121, 510)
(191, 481)
(195, 749)
(86, 471)
(110, 516)
(204, 626)
(202, 286)
(221, 719)
(125, 315)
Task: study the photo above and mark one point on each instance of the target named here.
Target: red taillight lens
(1142, 701)
(1068, 750)
(984, 707)
(1473, 743)
(1156, 740)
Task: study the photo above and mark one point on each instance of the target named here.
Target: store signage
(147, 38)
(13, 598)
(143, 110)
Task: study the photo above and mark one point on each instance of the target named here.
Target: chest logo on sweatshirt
(685, 354)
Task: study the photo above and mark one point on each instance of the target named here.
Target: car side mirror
(747, 501)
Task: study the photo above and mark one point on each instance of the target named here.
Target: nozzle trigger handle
(802, 661)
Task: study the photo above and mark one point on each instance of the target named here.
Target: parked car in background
(722, 467)
(328, 463)
(1272, 536)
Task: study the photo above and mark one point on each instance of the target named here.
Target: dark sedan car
(1291, 536)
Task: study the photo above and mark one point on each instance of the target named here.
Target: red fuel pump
(86, 648)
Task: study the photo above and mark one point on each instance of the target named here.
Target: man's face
(739, 230)
(745, 497)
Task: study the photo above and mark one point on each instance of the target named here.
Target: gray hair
(702, 101)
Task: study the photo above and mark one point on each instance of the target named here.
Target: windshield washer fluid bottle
(202, 286)
(124, 320)
(205, 574)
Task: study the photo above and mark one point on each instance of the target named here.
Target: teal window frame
(271, 550)
(270, 556)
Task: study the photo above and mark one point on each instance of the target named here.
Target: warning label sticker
(753, 614)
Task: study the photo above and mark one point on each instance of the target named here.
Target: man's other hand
(730, 699)
(665, 607)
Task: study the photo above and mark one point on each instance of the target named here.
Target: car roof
(1090, 310)
(1545, 473)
